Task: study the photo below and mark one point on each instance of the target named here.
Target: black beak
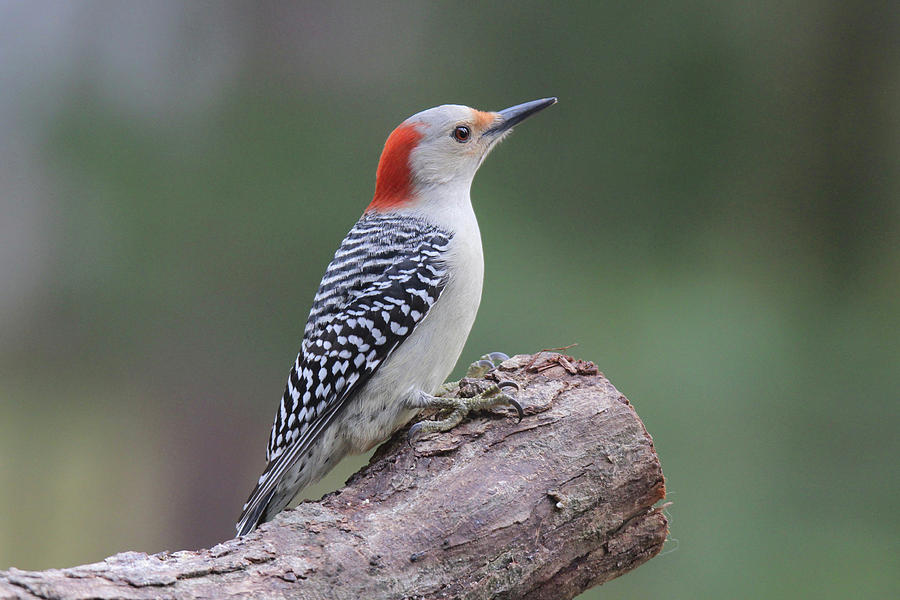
(515, 114)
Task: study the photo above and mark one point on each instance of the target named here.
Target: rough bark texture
(543, 508)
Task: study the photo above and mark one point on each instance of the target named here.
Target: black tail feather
(254, 514)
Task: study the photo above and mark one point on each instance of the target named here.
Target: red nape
(393, 180)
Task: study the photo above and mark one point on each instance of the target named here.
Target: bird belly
(424, 360)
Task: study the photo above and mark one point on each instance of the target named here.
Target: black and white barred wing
(382, 282)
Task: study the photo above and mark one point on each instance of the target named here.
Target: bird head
(440, 147)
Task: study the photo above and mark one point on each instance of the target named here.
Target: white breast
(425, 359)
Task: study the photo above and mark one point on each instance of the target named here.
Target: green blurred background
(712, 212)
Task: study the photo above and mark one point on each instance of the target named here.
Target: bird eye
(461, 134)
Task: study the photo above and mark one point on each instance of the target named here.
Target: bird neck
(447, 205)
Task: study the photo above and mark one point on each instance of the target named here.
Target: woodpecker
(393, 310)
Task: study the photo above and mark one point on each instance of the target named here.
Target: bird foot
(460, 407)
(489, 361)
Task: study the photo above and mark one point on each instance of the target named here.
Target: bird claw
(496, 357)
(478, 368)
(510, 399)
(509, 383)
(413, 432)
(460, 407)
(484, 364)
(518, 407)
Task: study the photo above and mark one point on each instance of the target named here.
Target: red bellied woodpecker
(393, 310)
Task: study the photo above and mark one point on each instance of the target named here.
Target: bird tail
(254, 512)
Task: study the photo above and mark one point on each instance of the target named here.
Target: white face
(455, 140)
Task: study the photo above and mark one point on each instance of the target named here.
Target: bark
(543, 508)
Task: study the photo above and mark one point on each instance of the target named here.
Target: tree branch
(544, 508)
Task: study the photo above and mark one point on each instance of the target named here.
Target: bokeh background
(712, 212)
